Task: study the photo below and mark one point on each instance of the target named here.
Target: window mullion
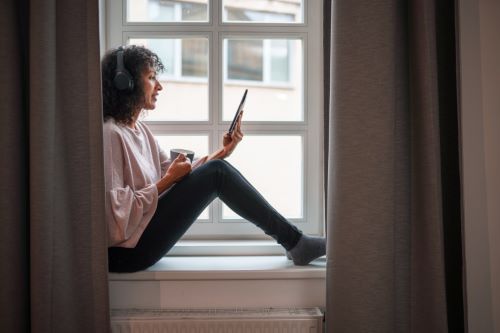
(215, 89)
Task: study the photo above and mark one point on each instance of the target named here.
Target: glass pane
(194, 57)
(196, 143)
(263, 11)
(273, 165)
(244, 60)
(167, 11)
(280, 60)
(272, 70)
(185, 81)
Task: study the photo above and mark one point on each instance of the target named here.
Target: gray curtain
(53, 251)
(393, 209)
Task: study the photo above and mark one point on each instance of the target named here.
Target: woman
(144, 219)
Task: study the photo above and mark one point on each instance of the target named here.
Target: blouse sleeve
(164, 160)
(125, 208)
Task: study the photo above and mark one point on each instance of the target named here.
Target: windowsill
(221, 281)
(226, 268)
(226, 248)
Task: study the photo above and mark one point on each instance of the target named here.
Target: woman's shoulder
(111, 126)
(114, 133)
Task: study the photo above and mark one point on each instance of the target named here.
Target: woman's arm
(126, 207)
(229, 143)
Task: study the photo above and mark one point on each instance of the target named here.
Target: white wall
(479, 26)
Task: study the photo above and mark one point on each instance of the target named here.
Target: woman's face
(151, 87)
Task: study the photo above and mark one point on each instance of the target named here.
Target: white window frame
(118, 30)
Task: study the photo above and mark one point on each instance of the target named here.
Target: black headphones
(123, 80)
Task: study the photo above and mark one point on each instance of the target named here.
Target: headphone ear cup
(123, 81)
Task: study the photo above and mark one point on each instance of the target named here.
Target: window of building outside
(212, 52)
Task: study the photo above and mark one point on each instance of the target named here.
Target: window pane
(272, 70)
(263, 11)
(280, 60)
(194, 57)
(244, 60)
(273, 164)
(196, 143)
(164, 48)
(167, 11)
(185, 81)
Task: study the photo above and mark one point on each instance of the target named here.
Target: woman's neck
(134, 120)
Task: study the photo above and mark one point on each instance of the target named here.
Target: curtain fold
(393, 210)
(54, 244)
(14, 242)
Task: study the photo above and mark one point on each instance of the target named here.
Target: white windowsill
(221, 281)
(226, 248)
(226, 268)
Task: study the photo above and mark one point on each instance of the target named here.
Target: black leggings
(179, 207)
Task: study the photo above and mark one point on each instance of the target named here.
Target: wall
(479, 47)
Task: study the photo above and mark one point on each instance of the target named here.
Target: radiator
(269, 320)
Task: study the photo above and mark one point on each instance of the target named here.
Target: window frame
(118, 30)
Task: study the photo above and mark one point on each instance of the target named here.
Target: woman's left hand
(230, 141)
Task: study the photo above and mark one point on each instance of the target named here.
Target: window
(261, 60)
(215, 49)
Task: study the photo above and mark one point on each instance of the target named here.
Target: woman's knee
(219, 164)
(214, 168)
(208, 169)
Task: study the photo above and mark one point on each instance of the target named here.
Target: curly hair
(119, 104)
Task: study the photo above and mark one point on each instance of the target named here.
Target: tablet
(238, 112)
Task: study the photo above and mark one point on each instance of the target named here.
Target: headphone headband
(119, 60)
(122, 80)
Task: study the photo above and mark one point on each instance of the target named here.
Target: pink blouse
(133, 163)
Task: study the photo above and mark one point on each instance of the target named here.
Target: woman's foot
(307, 249)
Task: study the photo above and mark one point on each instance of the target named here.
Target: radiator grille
(268, 320)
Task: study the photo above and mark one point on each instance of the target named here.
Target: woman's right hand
(179, 168)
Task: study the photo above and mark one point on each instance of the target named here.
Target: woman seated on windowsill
(150, 200)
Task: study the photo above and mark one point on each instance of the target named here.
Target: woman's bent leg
(184, 202)
(247, 202)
